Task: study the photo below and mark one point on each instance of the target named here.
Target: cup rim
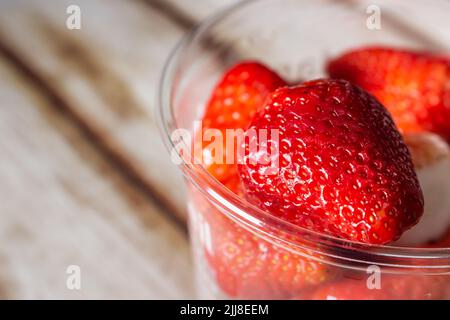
(252, 217)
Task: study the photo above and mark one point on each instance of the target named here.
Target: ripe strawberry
(234, 101)
(415, 87)
(244, 265)
(411, 287)
(233, 258)
(343, 167)
(444, 242)
(248, 267)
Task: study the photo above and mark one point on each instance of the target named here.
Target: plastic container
(243, 252)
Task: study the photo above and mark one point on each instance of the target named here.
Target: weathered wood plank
(63, 204)
(107, 75)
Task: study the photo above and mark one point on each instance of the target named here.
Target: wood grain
(107, 75)
(62, 204)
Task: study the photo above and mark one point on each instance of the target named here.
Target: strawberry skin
(392, 288)
(414, 87)
(248, 267)
(444, 242)
(234, 261)
(344, 169)
(233, 102)
(239, 94)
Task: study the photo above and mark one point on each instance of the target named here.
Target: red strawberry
(410, 287)
(233, 257)
(343, 167)
(415, 87)
(234, 101)
(441, 243)
(247, 267)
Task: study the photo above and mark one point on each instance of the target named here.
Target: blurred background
(90, 204)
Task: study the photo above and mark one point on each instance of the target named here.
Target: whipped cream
(431, 158)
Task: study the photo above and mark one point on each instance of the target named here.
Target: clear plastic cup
(243, 252)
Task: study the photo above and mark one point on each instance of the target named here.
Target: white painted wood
(107, 73)
(62, 204)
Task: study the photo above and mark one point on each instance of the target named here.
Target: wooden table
(85, 179)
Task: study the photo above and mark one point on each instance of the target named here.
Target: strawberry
(234, 101)
(343, 170)
(393, 287)
(443, 242)
(414, 86)
(248, 267)
(244, 265)
(233, 258)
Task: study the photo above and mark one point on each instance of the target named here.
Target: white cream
(431, 157)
